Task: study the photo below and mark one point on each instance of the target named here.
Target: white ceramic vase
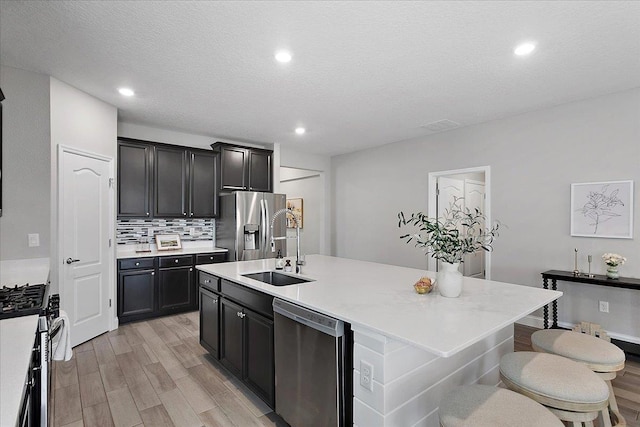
(449, 280)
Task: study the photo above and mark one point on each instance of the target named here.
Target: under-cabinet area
(159, 285)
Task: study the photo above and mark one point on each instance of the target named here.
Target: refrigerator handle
(263, 226)
(267, 236)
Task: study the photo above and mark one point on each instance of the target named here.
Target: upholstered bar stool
(602, 357)
(569, 389)
(486, 406)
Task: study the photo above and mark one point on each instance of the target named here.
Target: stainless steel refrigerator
(244, 225)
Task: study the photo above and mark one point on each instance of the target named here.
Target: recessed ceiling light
(524, 49)
(125, 91)
(300, 131)
(283, 56)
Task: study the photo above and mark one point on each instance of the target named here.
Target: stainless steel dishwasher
(310, 359)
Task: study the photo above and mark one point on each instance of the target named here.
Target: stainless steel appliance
(24, 301)
(244, 225)
(311, 352)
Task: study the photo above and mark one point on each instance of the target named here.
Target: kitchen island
(419, 345)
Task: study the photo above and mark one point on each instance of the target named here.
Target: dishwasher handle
(318, 321)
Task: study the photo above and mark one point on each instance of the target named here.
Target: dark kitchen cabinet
(135, 163)
(136, 289)
(259, 355)
(166, 181)
(210, 321)
(170, 177)
(203, 187)
(232, 336)
(176, 283)
(245, 341)
(244, 168)
(153, 286)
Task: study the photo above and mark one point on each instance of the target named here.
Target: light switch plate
(34, 240)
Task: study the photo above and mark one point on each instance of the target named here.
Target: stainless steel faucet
(273, 239)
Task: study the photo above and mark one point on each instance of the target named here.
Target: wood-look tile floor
(155, 373)
(626, 386)
(152, 373)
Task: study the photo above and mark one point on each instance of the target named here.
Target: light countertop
(22, 271)
(128, 251)
(17, 336)
(381, 298)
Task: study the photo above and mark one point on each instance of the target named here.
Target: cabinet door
(134, 179)
(203, 194)
(259, 367)
(231, 336)
(170, 183)
(259, 170)
(209, 322)
(136, 292)
(233, 162)
(175, 287)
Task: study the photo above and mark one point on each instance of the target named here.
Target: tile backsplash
(131, 231)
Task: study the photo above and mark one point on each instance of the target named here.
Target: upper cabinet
(166, 181)
(135, 161)
(244, 168)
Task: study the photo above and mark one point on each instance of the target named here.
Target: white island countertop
(381, 298)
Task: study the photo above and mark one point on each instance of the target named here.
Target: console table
(568, 276)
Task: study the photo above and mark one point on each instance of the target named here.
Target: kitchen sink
(274, 278)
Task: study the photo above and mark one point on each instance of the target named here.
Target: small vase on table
(612, 272)
(449, 280)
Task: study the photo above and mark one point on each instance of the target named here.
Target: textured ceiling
(363, 73)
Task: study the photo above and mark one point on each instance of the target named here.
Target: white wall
(534, 157)
(80, 121)
(307, 185)
(318, 192)
(26, 164)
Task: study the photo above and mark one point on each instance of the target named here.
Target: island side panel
(409, 382)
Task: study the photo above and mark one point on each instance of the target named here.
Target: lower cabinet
(210, 321)
(154, 286)
(136, 293)
(240, 337)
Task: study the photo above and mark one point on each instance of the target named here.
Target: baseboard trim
(628, 343)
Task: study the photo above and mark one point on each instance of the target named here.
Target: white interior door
(448, 190)
(474, 198)
(85, 210)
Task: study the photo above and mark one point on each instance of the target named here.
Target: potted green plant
(460, 231)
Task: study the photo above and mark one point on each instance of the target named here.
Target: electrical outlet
(366, 375)
(604, 306)
(34, 240)
(192, 231)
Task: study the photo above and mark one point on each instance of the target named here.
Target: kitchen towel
(62, 341)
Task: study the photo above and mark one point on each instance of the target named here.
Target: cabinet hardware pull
(191, 269)
(207, 281)
(184, 214)
(137, 264)
(147, 213)
(153, 273)
(176, 261)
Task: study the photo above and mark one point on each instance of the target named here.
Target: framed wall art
(167, 242)
(602, 209)
(296, 206)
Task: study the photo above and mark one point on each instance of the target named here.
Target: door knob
(71, 260)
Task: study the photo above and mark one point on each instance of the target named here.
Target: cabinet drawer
(250, 298)
(210, 258)
(208, 281)
(136, 263)
(176, 261)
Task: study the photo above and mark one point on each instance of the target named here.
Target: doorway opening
(473, 186)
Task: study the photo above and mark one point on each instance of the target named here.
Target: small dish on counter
(424, 285)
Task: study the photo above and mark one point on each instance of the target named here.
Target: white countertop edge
(277, 292)
(131, 253)
(17, 336)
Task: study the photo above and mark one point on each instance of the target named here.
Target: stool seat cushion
(579, 347)
(485, 406)
(554, 377)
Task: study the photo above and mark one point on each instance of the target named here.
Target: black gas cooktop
(22, 300)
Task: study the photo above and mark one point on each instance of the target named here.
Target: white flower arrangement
(613, 259)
